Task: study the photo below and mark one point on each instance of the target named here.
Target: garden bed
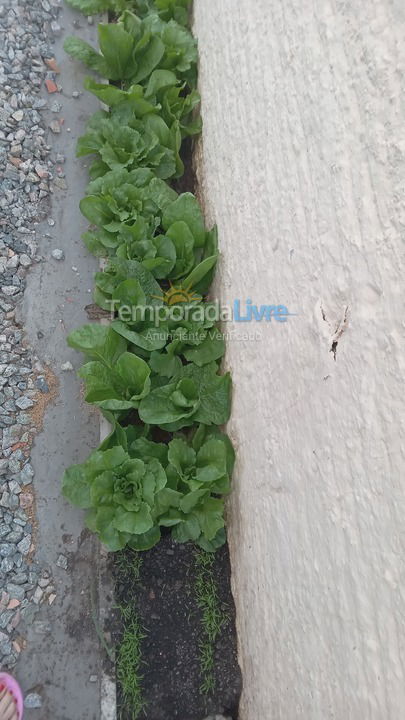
(165, 598)
(155, 489)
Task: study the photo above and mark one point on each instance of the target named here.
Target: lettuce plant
(142, 143)
(164, 95)
(166, 9)
(121, 496)
(141, 218)
(126, 283)
(166, 392)
(159, 369)
(131, 492)
(197, 395)
(117, 388)
(132, 48)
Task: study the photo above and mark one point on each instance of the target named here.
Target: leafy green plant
(119, 493)
(199, 474)
(159, 370)
(143, 143)
(132, 48)
(166, 9)
(126, 283)
(140, 217)
(117, 388)
(131, 492)
(164, 95)
(153, 373)
(198, 395)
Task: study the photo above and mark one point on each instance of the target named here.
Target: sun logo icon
(176, 295)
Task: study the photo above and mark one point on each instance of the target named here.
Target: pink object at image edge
(12, 685)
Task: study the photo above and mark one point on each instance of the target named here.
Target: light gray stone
(32, 701)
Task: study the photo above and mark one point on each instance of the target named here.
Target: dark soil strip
(164, 596)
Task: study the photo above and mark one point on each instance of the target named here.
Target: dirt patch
(37, 413)
(165, 599)
(43, 399)
(28, 503)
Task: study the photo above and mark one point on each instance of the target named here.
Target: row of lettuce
(153, 370)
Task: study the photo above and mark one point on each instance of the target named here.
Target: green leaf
(212, 348)
(169, 403)
(186, 209)
(181, 48)
(108, 533)
(210, 516)
(89, 143)
(192, 499)
(114, 96)
(98, 342)
(183, 241)
(129, 293)
(164, 364)
(116, 45)
(96, 210)
(150, 339)
(134, 523)
(159, 80)
(165, 256)
(181, 455)
(80, 50)
(145, 541)
(107, 460)
(94, 245)
(102, 489)
(215, 543)
(93, 7)
(211, 462)
(134, 373)
(176, 9)
(148, 59)
(187, 530)
(200, 271)
(146, 449)
(204, 433)
(214, 392)
(168, 498)
(117, 436)
(132, 23)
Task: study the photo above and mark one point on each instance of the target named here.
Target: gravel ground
(28, 173)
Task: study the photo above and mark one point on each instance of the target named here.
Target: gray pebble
(24, 545)
(6, 549)
(27, 473)
(41, 384)
(62, 562)
(24, 402)
(32, 701)
(15, 591)
(67, 366)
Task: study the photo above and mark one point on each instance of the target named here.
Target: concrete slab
(65, 664)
